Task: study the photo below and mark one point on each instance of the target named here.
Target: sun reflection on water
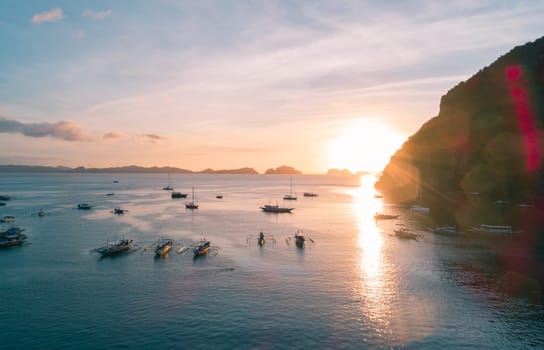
(374, 290)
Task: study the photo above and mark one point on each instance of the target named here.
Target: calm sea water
(356, 287)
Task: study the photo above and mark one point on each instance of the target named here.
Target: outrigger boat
(119, 211)
(300, 239)
(268, 208)
(202, 248)
(7, 218)
(163, 246)
(12, 237)
(112, 248)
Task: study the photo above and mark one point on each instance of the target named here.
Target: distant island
(134, 169)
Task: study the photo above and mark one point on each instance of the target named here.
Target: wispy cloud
(97, 15)
(153, 138)
(49, 16)
(63, 130)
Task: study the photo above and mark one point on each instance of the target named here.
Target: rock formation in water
(484, 149)
(283, 170)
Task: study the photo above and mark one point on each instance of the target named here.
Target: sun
(363, 146)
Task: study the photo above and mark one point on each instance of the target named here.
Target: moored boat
(12, 237)
(119, 211)
(175, 194)
(163, 246)
(116, 247)
(310, 194)
(446, 230)
(192, 204)
(405, 234)
(379, 216)
(84, 206)
(201, 248)
(268, 208)
(7, 218)
(300, 240)
(499, 229)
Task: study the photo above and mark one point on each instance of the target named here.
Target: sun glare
(363, 146)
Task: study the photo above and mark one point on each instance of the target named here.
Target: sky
(231, 84)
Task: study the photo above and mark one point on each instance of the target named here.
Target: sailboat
(290, 196)
(169, 187)
(192, 204)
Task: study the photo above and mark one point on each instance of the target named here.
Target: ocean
(355, 285)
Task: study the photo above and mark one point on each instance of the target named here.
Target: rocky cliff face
(485, 145)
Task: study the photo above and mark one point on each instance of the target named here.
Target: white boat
(500, 229)
(290, 196)
(446, 230)
(163, 246)
(112, 248)
(269, 208)
(419, 209)
(192, 204)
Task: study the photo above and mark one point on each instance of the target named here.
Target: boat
(119, 211)
(116, 247)
(419, 209)
(115, 181)
(163, 246)
(178, 195)
(405, 234)
(84, 206)
(447, 229)
(192, 204)
(268, 208)
(300, 240)
(169, 187)
(4, 198)
(41, 213)
(7, 218)
(201, 248)
(109, 194)
(310, 194)
(290, 196)
(379, 216)
(12, 237)
(500, 229)
(219, 196)
(2, 203)
(377, 195)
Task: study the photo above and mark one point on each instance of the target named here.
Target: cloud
(97, 15)
(113, 135)
(153, 138)
(50, 16)
(63, 130)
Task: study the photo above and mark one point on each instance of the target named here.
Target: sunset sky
(230, 84)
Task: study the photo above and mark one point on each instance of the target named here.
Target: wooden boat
(379, 216)
(268, 208)
(119, 211)
(175, 194)
(12, 237)
(310, 194)
(116, 247)
(300, 240)
(7, 218)
(163, 246)
(84, 206)
(201, 248)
